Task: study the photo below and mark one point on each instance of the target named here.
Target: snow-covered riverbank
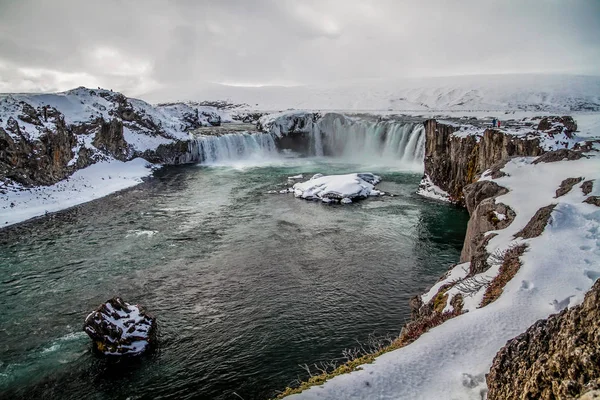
(98, 180)
(558, 268)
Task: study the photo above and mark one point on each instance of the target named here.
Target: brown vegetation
(508, 270)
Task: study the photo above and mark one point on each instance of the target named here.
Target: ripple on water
(245, 285)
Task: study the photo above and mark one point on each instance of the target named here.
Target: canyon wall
(453, 161)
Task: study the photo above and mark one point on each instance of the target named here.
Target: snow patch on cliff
(428, 189)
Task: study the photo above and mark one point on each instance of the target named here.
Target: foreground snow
(342, 188)
(451, 360)
(93, 182)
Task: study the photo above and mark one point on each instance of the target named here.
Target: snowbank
(98, 180)
(451, 360)
(343, 188)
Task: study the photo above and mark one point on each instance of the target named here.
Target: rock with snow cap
(120, 329)
(338, 188)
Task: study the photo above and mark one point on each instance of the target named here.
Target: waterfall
(233, 147)
(393, 143)
(389, 142)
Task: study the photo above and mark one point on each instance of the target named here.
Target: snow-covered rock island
(338, 188)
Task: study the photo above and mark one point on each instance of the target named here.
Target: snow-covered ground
(98, 180)
(532, 92)
(451, 360)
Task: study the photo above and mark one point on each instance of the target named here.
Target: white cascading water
(233, 147)
(379, 142)
(365, 141)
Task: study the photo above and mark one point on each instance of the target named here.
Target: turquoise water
(245, 285)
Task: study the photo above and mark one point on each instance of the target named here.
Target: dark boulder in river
(120, 329)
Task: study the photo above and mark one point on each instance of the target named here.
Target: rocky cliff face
(42, 161)
(556, 358)
(45, 138)
(452, 162)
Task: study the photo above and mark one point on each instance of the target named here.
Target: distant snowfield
(530, 92)
(97, 180)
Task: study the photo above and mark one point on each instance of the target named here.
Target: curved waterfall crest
(390, 141)
(361, 140)
(233, 147)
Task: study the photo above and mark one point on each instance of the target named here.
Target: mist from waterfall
(380, 142)
(369, 141)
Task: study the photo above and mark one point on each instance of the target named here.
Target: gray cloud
(147, 46)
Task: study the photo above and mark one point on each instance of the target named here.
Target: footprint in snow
(526, 285)
(593, 275)
(561, 305)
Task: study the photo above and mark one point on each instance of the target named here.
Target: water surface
(245, 285)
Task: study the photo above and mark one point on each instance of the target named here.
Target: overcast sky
(142, 46)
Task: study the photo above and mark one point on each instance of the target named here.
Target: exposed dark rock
(42, 161)
(476, 192)
(119, 328)
(29, 114)
(556, 358)
(587, 186)
(111, 140)
(175, 153)
(454, 162)
(486, 215)
(595, 200)
(559, 155)
(566, 186)
(213, 119)
(556, 125)
(537, 223)
(418, 309)
(587, 146)
(496, 169)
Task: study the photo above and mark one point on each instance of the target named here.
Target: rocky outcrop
(475, 193)
(587, 187)
(566, 186)
(111, 140)
(556, 358)
(595, 200)
(176, 153)
(486, 215)
(559, 155)
(557, 125)
(453, 162)
(537, 223)
(44, 161)
(118, 328)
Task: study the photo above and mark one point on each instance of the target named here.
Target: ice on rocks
(343, 188)
(120, 329)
